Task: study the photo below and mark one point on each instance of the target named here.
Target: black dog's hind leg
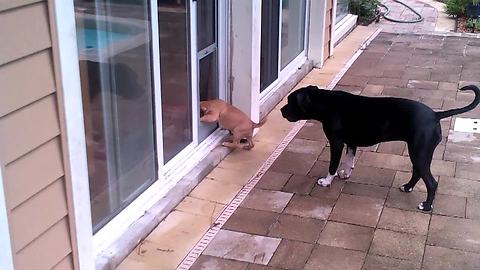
(408, 187)
(421, 155)
(431, 185)
(335, 156)
(349, 162)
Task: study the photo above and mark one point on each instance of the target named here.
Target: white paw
(345, 174)
(324, 182)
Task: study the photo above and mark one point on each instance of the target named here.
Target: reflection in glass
(206, 23)
(175, 77)
(293, 30)
(114, 52)
(342, 10)
(269, 43)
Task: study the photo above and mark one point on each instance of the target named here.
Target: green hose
(385, 15)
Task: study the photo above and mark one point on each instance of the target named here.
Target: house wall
(31, 150)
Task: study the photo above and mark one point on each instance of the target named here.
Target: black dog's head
(298, 104)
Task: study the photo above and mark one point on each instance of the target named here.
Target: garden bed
(461, 26)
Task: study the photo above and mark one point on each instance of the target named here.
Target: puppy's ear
(303, 101)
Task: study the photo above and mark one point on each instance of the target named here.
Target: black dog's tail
(467, 108)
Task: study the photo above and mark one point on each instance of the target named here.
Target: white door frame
(69, 93)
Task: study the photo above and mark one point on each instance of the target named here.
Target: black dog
(364, 121)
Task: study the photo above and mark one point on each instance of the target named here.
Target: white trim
(332, 23)
(344, 26)
(256, 56)
(157, 86)
(6, 257)
(194, 62)
(69, 95)
(223, 45)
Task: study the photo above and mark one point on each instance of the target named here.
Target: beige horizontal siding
(31, 148)
(25, 81)
(33, 172)
(65, 264)
(32, 218)
(47, 250)
(9, 4)
(24, 31)
(27, 128)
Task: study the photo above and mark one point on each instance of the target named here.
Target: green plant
(365, 9)
(473, 24)
(456, 8)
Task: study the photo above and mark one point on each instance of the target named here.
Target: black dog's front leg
(336, 149)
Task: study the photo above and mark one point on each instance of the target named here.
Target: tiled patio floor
(365, 222)
(434, 19)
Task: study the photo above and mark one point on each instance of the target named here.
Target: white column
(316, 32)
(245, 55)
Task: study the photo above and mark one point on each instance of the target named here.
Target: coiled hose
(385, 15)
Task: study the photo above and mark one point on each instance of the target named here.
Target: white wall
(245, 55)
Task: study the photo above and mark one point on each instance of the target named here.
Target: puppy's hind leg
(235, 143)
(250, 143)
(349, 163)
(335, 156)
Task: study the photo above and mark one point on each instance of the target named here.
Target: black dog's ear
(303, 101)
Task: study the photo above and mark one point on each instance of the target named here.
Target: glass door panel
(114, 52)
(175, 76)
(269, 43)
(207, 46)
(342, 10)
(293, 30)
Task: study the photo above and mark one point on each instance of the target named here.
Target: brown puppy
(231, 118)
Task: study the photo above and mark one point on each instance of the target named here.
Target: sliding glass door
(114, 51)
(141, 112)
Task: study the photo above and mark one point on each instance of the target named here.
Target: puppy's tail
(263, 121)
(467, 108)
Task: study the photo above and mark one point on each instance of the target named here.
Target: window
(293, 30)
(282, 37)
(342, 10)
(269, 43)
(114, 51)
